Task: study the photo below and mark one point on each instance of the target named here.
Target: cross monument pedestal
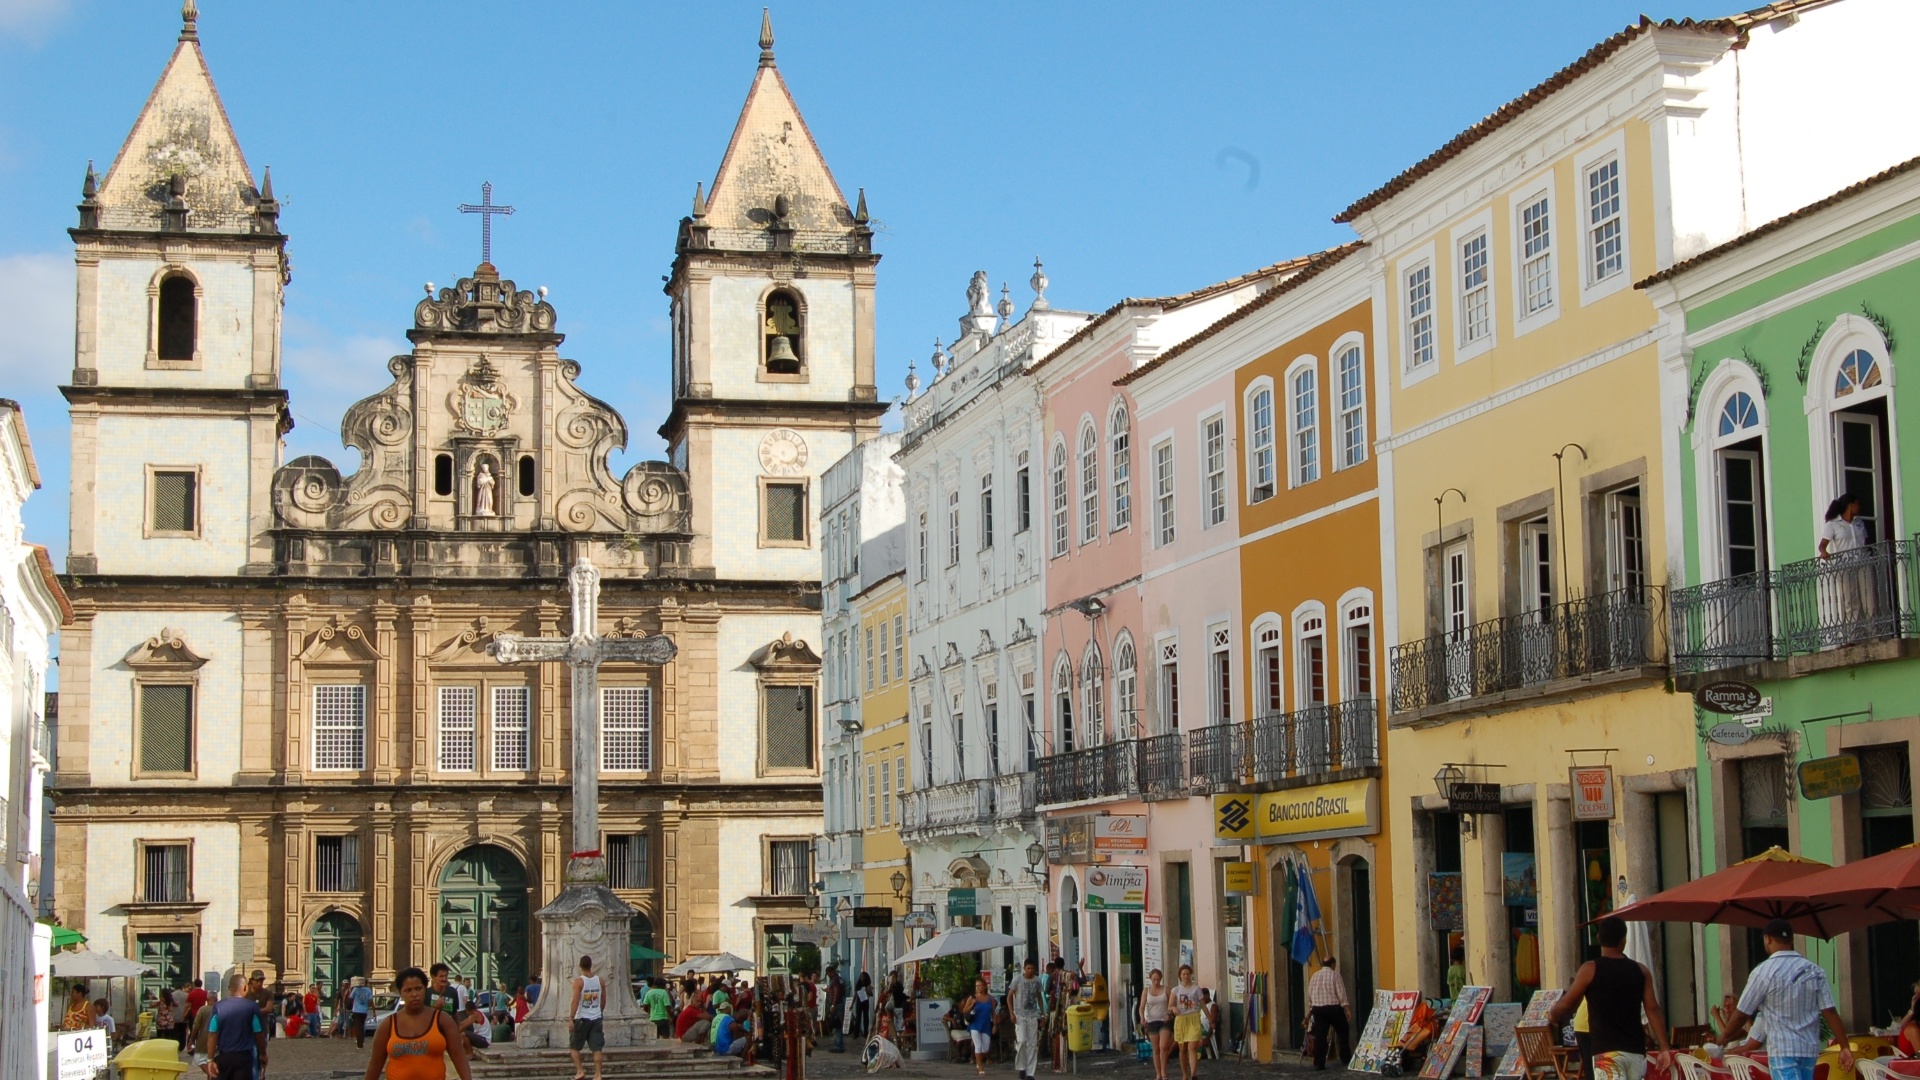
(586, 919)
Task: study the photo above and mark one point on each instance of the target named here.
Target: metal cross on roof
(486, 209)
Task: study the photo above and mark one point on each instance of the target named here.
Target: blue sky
(1139, 148)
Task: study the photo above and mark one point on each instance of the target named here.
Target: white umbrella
(718, 964)
(684, 967)
(103, 964)
(956, 942)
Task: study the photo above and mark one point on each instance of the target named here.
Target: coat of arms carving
(480, 404)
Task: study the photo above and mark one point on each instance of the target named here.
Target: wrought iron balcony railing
(1163, 772)
(1610, 631)
(1098, 772)
(1308, 745)
(1806, 607)
(1217, 757)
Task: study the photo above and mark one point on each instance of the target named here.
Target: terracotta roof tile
(1732, 26)
(1781, 222)
(1316, 266)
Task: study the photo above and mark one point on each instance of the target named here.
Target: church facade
(283, 742)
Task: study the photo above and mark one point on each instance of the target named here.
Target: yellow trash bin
(151, 1059)
(1080, 1021)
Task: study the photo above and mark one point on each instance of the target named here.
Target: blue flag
(1308, 907)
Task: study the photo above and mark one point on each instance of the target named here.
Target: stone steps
(506, 1062)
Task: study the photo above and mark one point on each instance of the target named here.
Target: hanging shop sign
(1730, 733)
(1827, 777)
(872, 918)
(1117, 888)
(919, 920)
(1324, 811)
(1728, 698)
(1233, 819)
(1238, 878)
(1592, 790)
(1120, 834)
(963, 901)
(1464, 797)
(1070, 840)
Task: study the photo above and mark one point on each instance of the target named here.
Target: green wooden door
(171, 958)
(339, 952)
(484, 918)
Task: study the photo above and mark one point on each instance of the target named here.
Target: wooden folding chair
(1745, 1068)
(1537, 1053)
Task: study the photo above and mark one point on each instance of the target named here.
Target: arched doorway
(641, 952)
(1356, 920)
(483, 917)
(339, 951)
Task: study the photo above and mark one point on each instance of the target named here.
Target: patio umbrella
(1725, 896)
(64, 936)
(104, 964)
(1852, 896)
(718, 964)
(956, 942)
(684, 967)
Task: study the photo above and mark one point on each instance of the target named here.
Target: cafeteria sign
(1117, 888)
(1728, 698)
(872, 918)
(1824, 778)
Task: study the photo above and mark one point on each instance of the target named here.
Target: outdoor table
(1904, 1067)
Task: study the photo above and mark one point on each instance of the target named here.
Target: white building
(974, 463)
(32, 609)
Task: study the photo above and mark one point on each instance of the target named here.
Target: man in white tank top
(586, 1033)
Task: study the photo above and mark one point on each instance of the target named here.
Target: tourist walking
(837, 1009)
(1156, 1004)
(1187, 1029)
(1616, 988)
(417, 1041)
(585, 1011)
(1026, 1003)
(312, 1008)
(659, 1009)
(1790, 993)
(359, 1010)
(977, 1011)
(236, 1034)
(862, 1005)
(1327, 1013)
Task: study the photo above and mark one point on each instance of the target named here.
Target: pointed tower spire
(860, 212)
(699, 200)
(766, 36)
(90, 200)
(189, 21)
(266, 186)
(266, 212)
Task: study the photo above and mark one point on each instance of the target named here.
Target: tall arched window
(1260, 450)
(1740, 464)
(782, 333)
(1268, 670)
(1093, 706)
(1057, 478)
(1126, 690)
(1089, 484)
(1120, 447)
(1303, 418)
(1351, 368)
(178, 327)
(1356, 648)
(1063, 707)
(1851, 424)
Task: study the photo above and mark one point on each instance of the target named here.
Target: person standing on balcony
(1843, 539)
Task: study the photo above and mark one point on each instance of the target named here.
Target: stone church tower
(283, 742)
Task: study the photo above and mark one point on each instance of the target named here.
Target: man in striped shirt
(1327, 1009)
(1791, 994)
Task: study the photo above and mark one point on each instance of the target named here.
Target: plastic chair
(1692, 1068)
(1869, 1069)
(1745, 1068)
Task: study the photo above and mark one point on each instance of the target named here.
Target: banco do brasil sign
(1347, 808)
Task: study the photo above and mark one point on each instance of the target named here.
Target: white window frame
(986, 511)
(1058, 508)
(1541, 187)
(457, 723)
(1120, 465)
(1220, 678)
(1416, 320)
(1260, 443)
(1303, 441)
(1213, 469)
(1358, 610)
(1309, 624)
(1126, 688)
(642, 726)
(1479, 225)
(1268, 634)
(1731, 376)
(1612, 148)
(1061, 727)
(953, 527)
(1093, 694)
(1089, 474)
(1166, 691)
(1343, 412)
(1165, 509)
(353, 701)
(505, 735)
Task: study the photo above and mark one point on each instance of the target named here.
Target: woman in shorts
(1188, 1031)
(1155, 1003)
(978, 1011)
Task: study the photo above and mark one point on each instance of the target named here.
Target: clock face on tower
(783, 452)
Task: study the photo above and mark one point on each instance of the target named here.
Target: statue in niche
(483, 490)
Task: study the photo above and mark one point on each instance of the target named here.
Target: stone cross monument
(587, 919)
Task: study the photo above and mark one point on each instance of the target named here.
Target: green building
(1781, 389)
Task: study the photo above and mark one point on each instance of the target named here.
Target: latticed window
(1126, 691)
(1606, 248)
(886, 795)
(1763, 792)
(786, 513)
(1267, 660)
(787, 726)
(790, 867)
(1163, 491)
(629, 861)
(626, 729)
(340, 727)
(459, 724)
(1213, 448)
(1120, 445)
(1536, 257)
(1419, 317)
(899, 647)
(165, 877)
(336, 863)
(1093, 706)
(1058, 481)
(175, 501)
(1353, 408)
(1476, 290)
(512, 728)
(1260, 438)
(1089, 485)
(1886, 778)
(166, 729)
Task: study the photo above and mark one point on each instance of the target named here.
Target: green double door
(170, 956)
(339, 951)
(484, 918)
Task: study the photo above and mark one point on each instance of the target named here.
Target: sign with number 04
(83, 1054)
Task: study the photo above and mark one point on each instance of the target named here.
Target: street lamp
(899, 882)
(1036, 853)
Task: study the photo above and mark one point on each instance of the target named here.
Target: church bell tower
(773, 368)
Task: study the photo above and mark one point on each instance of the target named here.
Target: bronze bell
(780, 357)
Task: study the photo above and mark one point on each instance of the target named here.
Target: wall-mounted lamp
(899, 882)
(1091, 606)
(1035, 854)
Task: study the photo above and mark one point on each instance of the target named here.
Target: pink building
(1112, 781)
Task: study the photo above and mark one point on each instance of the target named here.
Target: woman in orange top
(416, 1042)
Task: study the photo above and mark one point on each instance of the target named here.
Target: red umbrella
(1728, 896)
(1884, 888)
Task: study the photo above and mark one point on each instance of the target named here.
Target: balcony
(838, 852)
(968, 808)
(1217, 757)
(1316, 744)
(1111, 771)
(1013, 800)
(1163, 767)
(43, 742)
(1805, 616)
(1557, 653)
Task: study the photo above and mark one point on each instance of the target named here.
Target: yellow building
(1542, 771)
(882, 614)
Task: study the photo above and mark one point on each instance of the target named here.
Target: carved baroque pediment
(337, 640)
(786, 654)
(166, 651)
(468, 644)
(485, 303)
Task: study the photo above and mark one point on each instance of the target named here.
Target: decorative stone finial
(766, 37)
(860, 211)
(1039, 283)
(699, 200)
(189, 20)
(266, 185)
(266, 210)
(913, 380)
(1006, 303)
(939, 360)
(91, 185)
(90, 200)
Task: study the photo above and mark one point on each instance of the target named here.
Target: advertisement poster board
(1391, 1010)
(1592, 788)
(1236, 964)
(1150, 944)
(1117, 888)
(1120, 834)
(82, 1054)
